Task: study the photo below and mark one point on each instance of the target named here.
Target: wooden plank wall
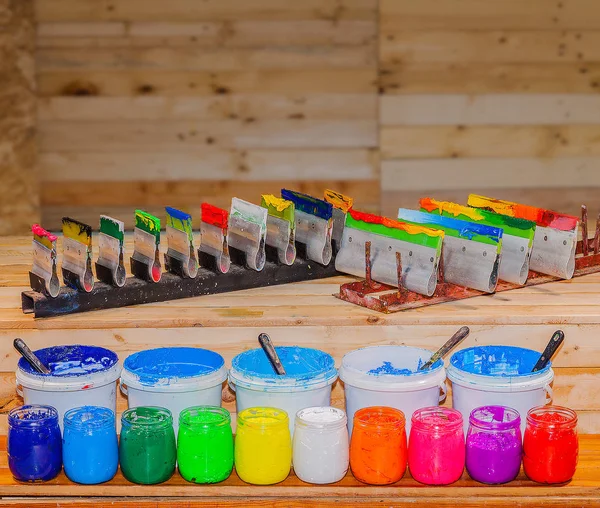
(150, 102)
(499, 97)
(19, 203)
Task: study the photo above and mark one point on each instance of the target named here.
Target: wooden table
(306, 314)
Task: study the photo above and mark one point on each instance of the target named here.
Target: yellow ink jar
(263, 445)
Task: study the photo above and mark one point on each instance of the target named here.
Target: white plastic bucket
(174, 378)
(81, 375)
(307, 383)
(498, 375)
(389, 376)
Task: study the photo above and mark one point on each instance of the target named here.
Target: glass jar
(34, 443)
(147, 449)
(263, 446)
(436, 446)
(494, 444)
(550, 444)
(320, 445)
(90, 445)
(378, 445)
(205, 444)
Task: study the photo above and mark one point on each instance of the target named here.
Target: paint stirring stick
(447, 347)
(557, 339)
(29, 355)
(269, 349)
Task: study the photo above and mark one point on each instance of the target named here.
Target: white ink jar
(320, 446)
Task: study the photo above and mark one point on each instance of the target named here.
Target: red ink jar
(550, 444)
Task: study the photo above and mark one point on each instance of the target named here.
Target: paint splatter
(44, 237)
(388, 369)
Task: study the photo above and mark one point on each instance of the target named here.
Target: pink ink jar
(436, 446)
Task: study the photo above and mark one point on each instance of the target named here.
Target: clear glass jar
(436, 446)
(263, 446)
(494, 444)
(205, 444)
(147, 448)
(378, 445)
(550, 444)
(320, 445)
(90, 445)
(34, 443)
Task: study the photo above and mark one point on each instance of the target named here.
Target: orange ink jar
(378, 453)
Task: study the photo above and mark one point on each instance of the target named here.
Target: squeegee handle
(557, 339)
(458, 337)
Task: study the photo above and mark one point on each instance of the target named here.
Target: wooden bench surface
(306, 314)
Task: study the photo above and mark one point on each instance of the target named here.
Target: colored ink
(399, 230)
(307, 204)
(502, 361)
(42, 236)
(454, 227)
(34, 443)
(147, 449)
(145, 260)
(388, 369)
(320, 445)
(112, 227)
(378, 446)
(541, 216)
(90, 445)
(214, 216)
(436, 446)
(205, 444)
(550, 444)
(179, 220)
(278, 207)
(338, 200)
(77, 231)
(72, 361)
(263, 447)
(494, 446)
(148, 223)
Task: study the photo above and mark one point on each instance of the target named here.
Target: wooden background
(144, 103)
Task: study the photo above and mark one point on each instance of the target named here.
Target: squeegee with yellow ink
(77, 255)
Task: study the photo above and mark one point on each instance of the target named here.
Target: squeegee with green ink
(517, 237)
(381, 240)
(145, 260)
(555, 240)
(110, 267)
(471, 251)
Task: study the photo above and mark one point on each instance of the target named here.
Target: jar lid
(495, 417)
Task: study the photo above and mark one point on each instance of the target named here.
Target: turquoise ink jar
(34, 444)
(90, 446)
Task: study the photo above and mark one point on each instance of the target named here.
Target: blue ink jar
(90, 446)
(34, 443)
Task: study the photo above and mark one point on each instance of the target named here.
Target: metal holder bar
(171, 287)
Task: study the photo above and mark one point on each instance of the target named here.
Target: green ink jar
(147, 449)
(205, 444)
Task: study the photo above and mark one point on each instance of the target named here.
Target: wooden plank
(490, 109)
(551, 198)
(193, 83)
(480, 78)
(180, 136)
(185, 193)
(210, 60)
(216, 107)
(231, 34)
(544, 142)
(488, 174)
(485, 15)
(210, 164)
(209, 10)
(473, 46)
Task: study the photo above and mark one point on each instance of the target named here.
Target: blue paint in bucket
(71, 361)
(302, 365)
(497, 361)
(164, 365)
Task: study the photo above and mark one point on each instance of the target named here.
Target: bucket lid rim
(171, 383)
(520, 380)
